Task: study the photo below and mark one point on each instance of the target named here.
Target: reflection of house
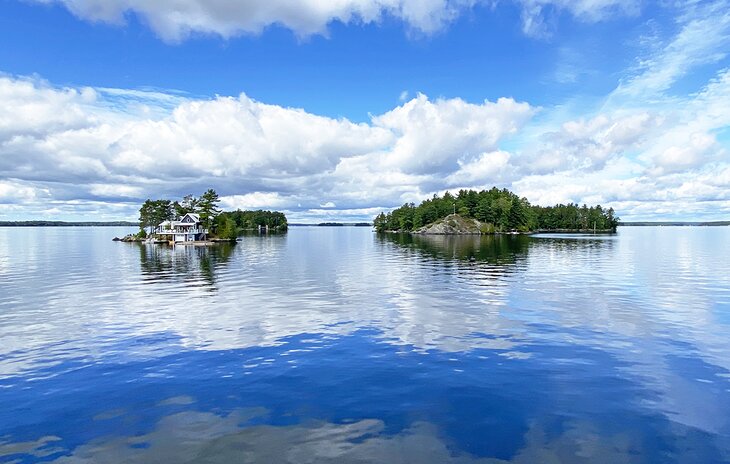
(187, 229)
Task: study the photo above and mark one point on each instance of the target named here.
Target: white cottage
(187, 229)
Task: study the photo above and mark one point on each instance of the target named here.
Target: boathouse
(187, 229)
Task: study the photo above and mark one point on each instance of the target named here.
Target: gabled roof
(192, 216)
(194, 219)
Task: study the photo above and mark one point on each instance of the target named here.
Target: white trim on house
(187, 229)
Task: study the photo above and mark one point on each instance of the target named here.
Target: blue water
(335, 345)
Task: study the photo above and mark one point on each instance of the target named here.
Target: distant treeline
(253, 219)
(333, 224)
(500, 210)
(675, 223)
(344, 224)
(66, 224)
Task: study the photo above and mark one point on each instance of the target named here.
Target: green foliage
(275, 220)
(221, 224)
(380, 223)
(226, 227)
(574, 217)
(189, 204)
(154, 212)
(487, 228)
(207, 208)
(499, 211)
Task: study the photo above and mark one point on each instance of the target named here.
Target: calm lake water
(335, 345)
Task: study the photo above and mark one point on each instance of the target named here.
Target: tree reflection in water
(491, 249)
(190, 264)
(495, 249)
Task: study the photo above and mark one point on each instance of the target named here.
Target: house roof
(193, 216)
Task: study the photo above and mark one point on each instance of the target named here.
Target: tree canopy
(221, 224)
(153, 212)
(207, 208)
(501, 210)
(253, 219)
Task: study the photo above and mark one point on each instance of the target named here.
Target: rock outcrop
(128, 238)
(453, 224)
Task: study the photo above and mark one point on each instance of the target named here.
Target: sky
(338, 110)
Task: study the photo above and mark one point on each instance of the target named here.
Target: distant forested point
(67, 224)
(246, 220)
(499, 211)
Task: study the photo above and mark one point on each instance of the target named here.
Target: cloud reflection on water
(641, 299)
(204, 437)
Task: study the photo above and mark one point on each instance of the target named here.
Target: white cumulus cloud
(98, 152)
(175, 20)
(256, 155)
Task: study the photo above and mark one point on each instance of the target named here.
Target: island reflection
(492, 249)
(188, 264)
(541, 348)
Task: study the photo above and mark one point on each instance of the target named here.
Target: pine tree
(207, 208)
(146, 214)
(189, 204)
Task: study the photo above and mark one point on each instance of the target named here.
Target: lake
(335, 345)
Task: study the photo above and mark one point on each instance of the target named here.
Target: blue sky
(337, 110)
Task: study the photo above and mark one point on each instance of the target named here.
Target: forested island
(215, 223)
(493, 211)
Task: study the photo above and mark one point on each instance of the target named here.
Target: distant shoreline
(333, 224)
(135, 224)
(68, 224)
(675, 223)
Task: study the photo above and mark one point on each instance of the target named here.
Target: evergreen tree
(146, 219)
(500, 210)
(207, 208)
(275, 220)
(225, 224)
(189, 204)
(163, 211)
(380, 223)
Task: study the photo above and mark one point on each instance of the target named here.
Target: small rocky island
(493, 211)
(199, 221)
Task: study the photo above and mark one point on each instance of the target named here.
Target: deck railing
(163, 231)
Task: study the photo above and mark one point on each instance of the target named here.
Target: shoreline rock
(128, 238)
(453, 224)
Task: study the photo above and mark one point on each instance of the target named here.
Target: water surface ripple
(337, 345)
